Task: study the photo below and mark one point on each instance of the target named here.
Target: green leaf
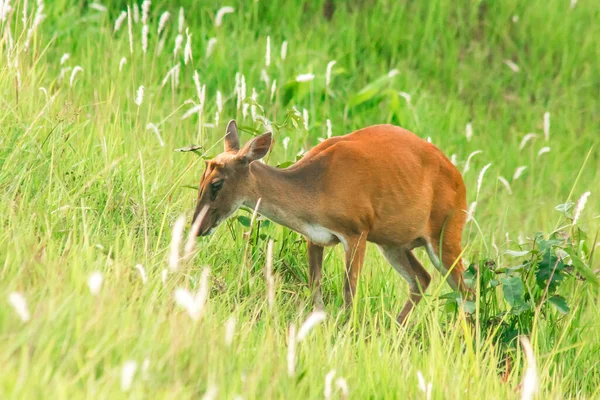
(190, 187)
(549, 271)
(467, 305)
(560, 304)
(285, 164)
(242, 219)
(370, 91)
(514, 290)
(580, 266)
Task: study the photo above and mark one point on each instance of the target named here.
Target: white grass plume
(305, 77)
(162, 22)
(194, 304)
(328, 390)
(268, 52)
(547, 126)
(130, 29)
(142, 272)
(18, 302)
(471, 211)
(221, 13)
(127, 373)
(176, 238)
(406, 96)
(154, 129)
(211, 393)
(480, 178)
(269, 275)
(65, 57)
(136, 12)
(95, 283)
(328, 72)
(518, 172)
(145, 11)
(291, 350)
(393, 73)
(273, 89)
(210, 47)
(424, 387)
(163, 275)
(469, 132)
(264, 76)
(580, 206)
(139, 96)
(512, 65)
(286, 142)
(305, 118)
(219, 102)
(329, 128)
(311, 321)
(122, 63)
(229, 330)
(193, 234)
(178, 44)
(543, 150)
(181, 20)
(171, 74)
(530, 383)
(25, 14)
(5, 9)
(187, 52)
(284, 47)
(342, 385)
(145, 30)
(98, 7)
(197, 85)
(530, 136)
(506, 184)
(468, 163)
(74, 73)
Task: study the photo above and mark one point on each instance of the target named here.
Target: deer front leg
(355, 256)
(315, 263)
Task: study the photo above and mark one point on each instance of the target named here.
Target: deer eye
(215, 187)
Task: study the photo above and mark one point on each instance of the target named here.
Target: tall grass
(87, 191)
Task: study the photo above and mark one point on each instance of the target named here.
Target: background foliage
(85, 186)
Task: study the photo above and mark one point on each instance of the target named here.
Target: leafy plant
(510, 298)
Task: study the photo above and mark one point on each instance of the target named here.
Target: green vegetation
(86, 187)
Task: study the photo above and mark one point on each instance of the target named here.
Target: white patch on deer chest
(319, 235)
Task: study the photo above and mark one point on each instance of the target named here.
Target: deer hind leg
(315, 263)
(405, 263)
(450, 263)
(355, 248)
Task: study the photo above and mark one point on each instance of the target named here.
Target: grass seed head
(18, 302)
(95, 283)
(74, 73)
(162, 22)
(328, 72)
(127, 374)
(221, 13)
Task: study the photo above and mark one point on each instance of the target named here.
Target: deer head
(226, 183)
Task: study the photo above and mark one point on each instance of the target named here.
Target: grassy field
(88, 186)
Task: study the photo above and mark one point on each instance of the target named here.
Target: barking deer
(381, 184)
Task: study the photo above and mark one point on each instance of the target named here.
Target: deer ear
(257, 148)
(232, 139)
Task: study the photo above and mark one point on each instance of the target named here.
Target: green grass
(85, 187)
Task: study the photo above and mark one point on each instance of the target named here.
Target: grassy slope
(84, 171)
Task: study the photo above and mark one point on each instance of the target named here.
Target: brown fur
(380, 184)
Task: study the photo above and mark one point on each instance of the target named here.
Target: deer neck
(284, 194)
